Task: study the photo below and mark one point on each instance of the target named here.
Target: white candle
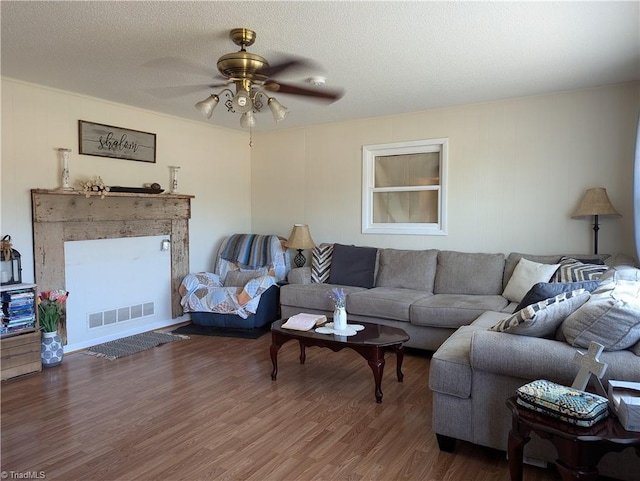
(64, 155)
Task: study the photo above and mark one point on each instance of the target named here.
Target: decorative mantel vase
(340, 319)
(51, 351)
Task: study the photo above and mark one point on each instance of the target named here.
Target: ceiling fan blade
(285, 64)
(324, 94)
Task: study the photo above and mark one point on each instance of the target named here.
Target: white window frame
(369, 154)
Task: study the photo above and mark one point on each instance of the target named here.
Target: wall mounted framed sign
(116, 142)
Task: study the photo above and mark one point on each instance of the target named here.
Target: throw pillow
(321, 263)
(545, 290)
(611, 317)
(353, 266)
(543, 318)
(525, 275)
(574, 270)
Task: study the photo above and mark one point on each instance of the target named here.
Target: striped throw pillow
(543, 318)
(573, 270)
(321, 263)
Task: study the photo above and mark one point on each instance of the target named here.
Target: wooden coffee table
(370, 343)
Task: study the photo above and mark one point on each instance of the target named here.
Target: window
(404, 188)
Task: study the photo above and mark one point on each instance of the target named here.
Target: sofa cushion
(312, 296)
(384, 302)
(453, 310)
(407, 269)
(625, 273)
(545, 290)
(611, 317)
(469, 273)
(543, 318)
(574, 270)
(450, 371)
(353, 266)
(525, 275)
(321, 262)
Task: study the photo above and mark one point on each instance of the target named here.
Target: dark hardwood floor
(206, 409)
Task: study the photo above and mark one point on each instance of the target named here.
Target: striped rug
(130, 345)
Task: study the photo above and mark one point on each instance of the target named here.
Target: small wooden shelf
(20, 350)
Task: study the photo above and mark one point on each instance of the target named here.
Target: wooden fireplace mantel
(60, 216)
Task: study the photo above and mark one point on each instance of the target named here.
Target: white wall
(215, 164)
(517, 171)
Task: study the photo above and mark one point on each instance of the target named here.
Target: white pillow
(525, 275)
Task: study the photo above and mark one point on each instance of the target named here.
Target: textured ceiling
(390, 57)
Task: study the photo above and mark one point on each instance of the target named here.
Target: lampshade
(300, 238)
(595, 202)
(207, 105)
(247, 120)
(278, 110)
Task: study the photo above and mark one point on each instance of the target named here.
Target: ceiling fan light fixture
(207, 105)
(278, 110)
(242, 102)
(248, 120)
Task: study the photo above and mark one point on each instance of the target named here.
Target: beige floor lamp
(595, 203)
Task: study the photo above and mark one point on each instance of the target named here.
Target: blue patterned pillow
(545, 290)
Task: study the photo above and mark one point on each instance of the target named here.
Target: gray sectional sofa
(447, 301)
(428, 293)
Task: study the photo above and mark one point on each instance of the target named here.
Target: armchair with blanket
(243, 291)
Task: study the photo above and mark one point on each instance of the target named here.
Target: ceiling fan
(254, 80)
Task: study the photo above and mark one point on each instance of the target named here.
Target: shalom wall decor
(109, 141)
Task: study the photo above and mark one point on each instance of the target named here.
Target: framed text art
(109, 141)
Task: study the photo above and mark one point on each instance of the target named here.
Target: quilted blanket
(204, 292)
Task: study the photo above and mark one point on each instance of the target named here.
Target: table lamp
(300, 239)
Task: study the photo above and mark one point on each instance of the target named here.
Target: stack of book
(18, 310)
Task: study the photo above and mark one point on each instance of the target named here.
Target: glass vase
(340, 319)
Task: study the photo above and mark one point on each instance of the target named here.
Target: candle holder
(174, 179)
(63, 154)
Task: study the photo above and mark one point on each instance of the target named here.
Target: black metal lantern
(10, 263)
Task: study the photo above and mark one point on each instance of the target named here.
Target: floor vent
(121, 314)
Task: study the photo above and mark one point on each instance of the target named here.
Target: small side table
(579, 448)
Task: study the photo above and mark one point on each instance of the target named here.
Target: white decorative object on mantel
(589, 364)
(63, 153)
(174, 179)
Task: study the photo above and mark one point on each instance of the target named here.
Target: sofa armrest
(531, 358)
(299, 275)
